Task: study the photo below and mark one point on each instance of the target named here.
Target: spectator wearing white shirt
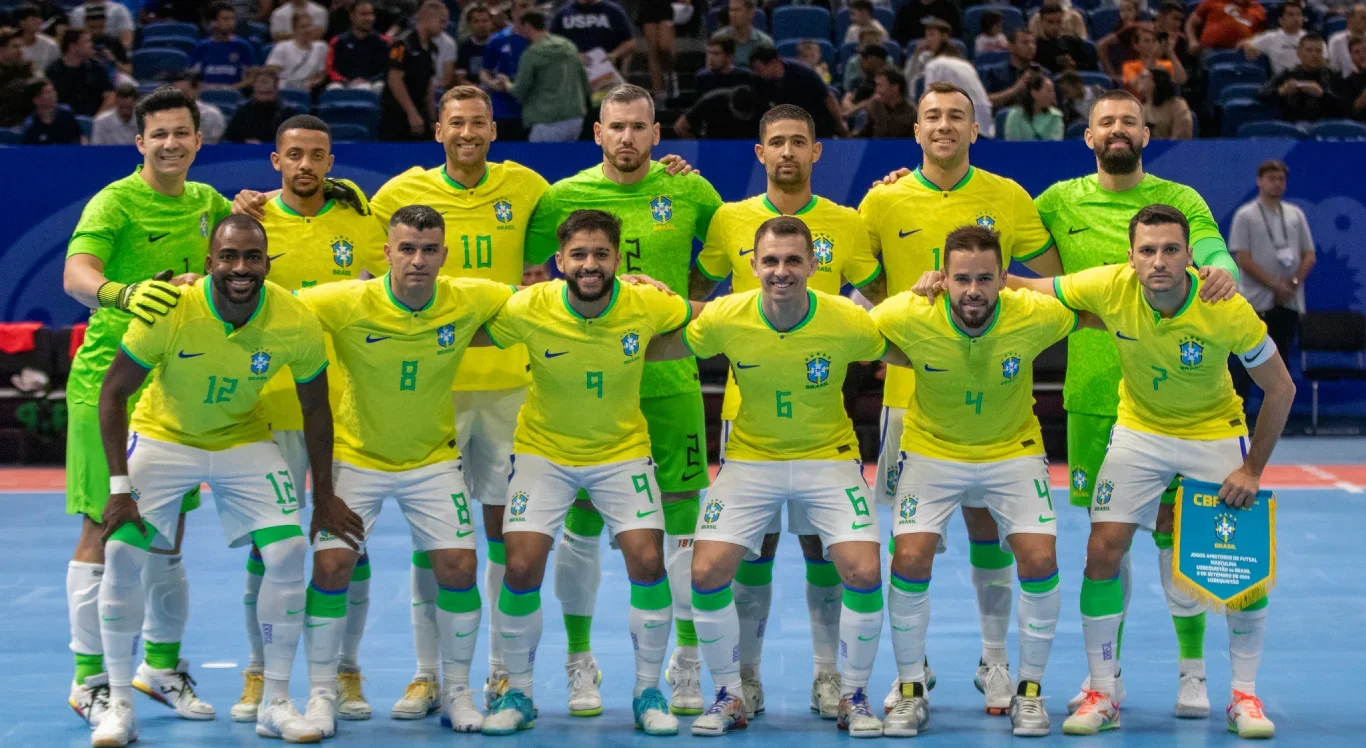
(1280, 45)
(282, 18)
(860, 20)
(948, 67)
(212, 123)
(118, 20)
(40, 50)
(1339, 51)
(117, 126)
(302, 61)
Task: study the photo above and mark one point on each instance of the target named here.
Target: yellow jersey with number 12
(908, 221)
(206, 387)
(1174, 370)
(974, 396)
(486, 226)
(334, 245)
(583, 407)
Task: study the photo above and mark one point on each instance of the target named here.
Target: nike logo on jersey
(749, 251)
(109, 618)
(157, 237)
(183, 354)
(903, 234)
(932, 369)
(857, 526)
(548, 354)
(273, 258)
(1032, 627)
(1045, 520)
(739, 365)
(376, 338)
(902, 628)
(643, 515)
(1071, 232)
(316, 625)
(1122, 336)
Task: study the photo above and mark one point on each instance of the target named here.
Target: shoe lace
(829, 680)
(350, 686)
(512, 699)
(99, 698)
(997, 675)
(1091, 702)
(858, 702)
(580, 676)
(723, 700)
(253, 686)
(653, 699)
(186, 684)
(419, 689)
(1029, 706)
(1251, 705)
(686, 677)
(905, 707)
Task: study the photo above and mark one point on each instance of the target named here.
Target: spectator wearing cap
(257, 120)
(872, 59)
(1058, 49)
(1306, 92)
(1339, 49)
(890, 113)
(909, 23)
(358, 57)
(282, 20)
(722, 114)
(1224, 24)
(860, 20)
(739, 28)
(1004, 82)
(118, 19)
(597, 24)
(720, 71)
(301, 61)
(1035, 115)
(50, 123)
(212, 123)
(40, 50)
(81, 83)
(782, 82)
(948, 66)
(117, 126)
(1280, 45)
(938, 35)
(551, 83)
(1352, 88)
(109, 50)
(1073, 23)
(222, 59)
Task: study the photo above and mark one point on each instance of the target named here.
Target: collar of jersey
(810, 312)
(932, 186)
(616, 288)
(227, 326)
(948, 312)
(460, 186)
(1190, 297)
(389, 291)
(805, 208)
(280, 202)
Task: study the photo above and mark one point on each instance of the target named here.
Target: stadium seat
(349, 96)
(1222, 57)
(1075, 130)
(1225, 74)
(299, 100)
(258, 33)
(184, 44)
(169, 29)
(800, 22)
(1271, 128)
(988, 59)
(1011, 19)
(1239, 91)
(146, 87)
(1337, 129)
(1341, 333)
(350, 114)
(87, 124)
(1334, 25)
(11, 136)
(221, 97)
(1096, 78)
(346, 132)
(1102, 21)
(959, 43)
(149, 64)
(1001, 115)
(1238, 111)
(788, 48)
(263, 51)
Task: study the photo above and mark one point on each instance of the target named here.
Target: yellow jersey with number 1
(908, 221)
(486, 225)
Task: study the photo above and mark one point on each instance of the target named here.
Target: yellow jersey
(206, 387)
(486, 226)
(583, 407)
(336, 244)
(792, 381)
(908, 221)
(837, 237)
(950, 416)
(398, 364)
(1174, 378)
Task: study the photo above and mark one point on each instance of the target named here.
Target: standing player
(982, 341)
(399, 340)
(201, 421)
(1178, 415)
(582, 429)
(792, 443)
(661, 215)
(148, 223)
(788, 150)
(907, 223)
(323, 239)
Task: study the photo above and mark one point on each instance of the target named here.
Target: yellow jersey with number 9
(974, 396)
(398, 365)
(206, 388)
(583, 407)
(1174, 370)
(908, 221)
(486, 225)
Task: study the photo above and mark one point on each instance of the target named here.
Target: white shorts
(1015, 491)
(433, 499)
(295, 452)
(747, 495)
(889, 462)
(484, 423)
(797, 521)
(251, 486)
(540, 493)
(1139, 466)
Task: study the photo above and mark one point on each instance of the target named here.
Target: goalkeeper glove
(347, 193)
(144, 299)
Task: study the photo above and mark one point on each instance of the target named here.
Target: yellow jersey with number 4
(334, 245)
(1174, 370)
(583, 407)
(207, 380)
(792, 381)
(908, 221)
(486, 226)
(398, 364)
(974, 396)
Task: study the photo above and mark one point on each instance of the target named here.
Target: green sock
(161, 656)
(1119, 640)
(1190, 636)
(578, 629)
(320, 603)
(687, 633)
(822, 574)
(88, 665)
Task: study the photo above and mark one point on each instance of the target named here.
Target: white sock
(424, 591)
(752, 605)
(860, 628)
(908, 607)
(823, 607)
(678, 565)
(167, 598)
(83, 606)
(493, 583)
(994, 588)
(256, 650)
(357, 610)
(578, 572)
(521, 634)
(324, 630)
(280, 609)
(457, 621)
(1246, 630)
(1179, 603)
(1040, 603)
(651, 613)
(718, 635)
(121, 603)
(1099, 634)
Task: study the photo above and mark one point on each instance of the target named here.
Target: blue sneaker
(509, 713)
(652, 713)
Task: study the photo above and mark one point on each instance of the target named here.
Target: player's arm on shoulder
(253, 203)
(1045, 286)
(1033, 244)
(1047, 264)
(693, 338)
(1267, 369)
(123, 378)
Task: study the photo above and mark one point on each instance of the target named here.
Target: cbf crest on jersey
(343, 254)
(1192, 353)
(502, 210)
(260, 363)
(817, 370)
(662, 209)
(1010, 367)
(824, 249)
(630, 344)
(986, 222)
(445, 337)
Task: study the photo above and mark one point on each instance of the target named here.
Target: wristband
(119, 484)
(108, 293)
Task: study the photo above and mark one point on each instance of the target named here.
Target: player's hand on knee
(333, 516)
(677, 167)
(1240, 488)
(119, 511)
(1217, 284)
(638, 279)
(893, 177)
(931, 283)
(252, 203)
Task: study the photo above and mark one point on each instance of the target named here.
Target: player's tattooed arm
(700, 287)
(330, 513)
(253, 203)
(676, 166)
(1240, 487)
(121, 380)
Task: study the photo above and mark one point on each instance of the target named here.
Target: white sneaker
(90, 700)
(1097, 714)
(458, 704)
(1116, 697)
(493, 686)
(1247, 717)
(725, 714)
(117, 728)
(322, 710)
(825, 695)
(174, 688)
(909, 715)
(1028, 719)
(280, 719)
(994, 682)
(420, 699)
(651, 712)
(857, 718)
(253, 685)
(1192, 698)
(584, 679)
(684, 676)
(752, 693)
(351, 703)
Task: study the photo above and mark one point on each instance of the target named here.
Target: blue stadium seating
(1238, 111)
(1095, 78)
(884, 15)
(1334, 25)
(1001, 115)
(348, 96)
(1228, 73)
(1239, 91)
(300, 100)
(350, 114)
(788, 48)
(1271, 128)
(87, 124)
(149, 64)
(1337, 129)
(258, 33)
(344, 132)
(988, 59)
(1075, 130)
(1011, 19)
(170, 29)
(1102, 21)
(184, 44)
(760, 21)
(800, 22)
(11, 136)
(1223, 56)
(221, 97)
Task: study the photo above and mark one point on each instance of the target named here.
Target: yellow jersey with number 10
(486, 225)
(908, 221)
(1174, 370)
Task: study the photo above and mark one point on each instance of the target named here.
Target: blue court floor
(1314, 654)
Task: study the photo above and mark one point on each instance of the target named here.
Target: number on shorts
(784, 406)
(974, 401)
(857, 501)
(642, 485)
(595, 382)
(284, 489)
(462, 508)
(1041, 488)
(407, 376)
(225, 388)
(1160, 378)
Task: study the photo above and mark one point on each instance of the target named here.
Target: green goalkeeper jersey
(1091, 228)
(660, 216)
(136, 232)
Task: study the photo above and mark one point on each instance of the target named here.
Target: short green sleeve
(708, 200)
(97, 231)
(541, 243)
